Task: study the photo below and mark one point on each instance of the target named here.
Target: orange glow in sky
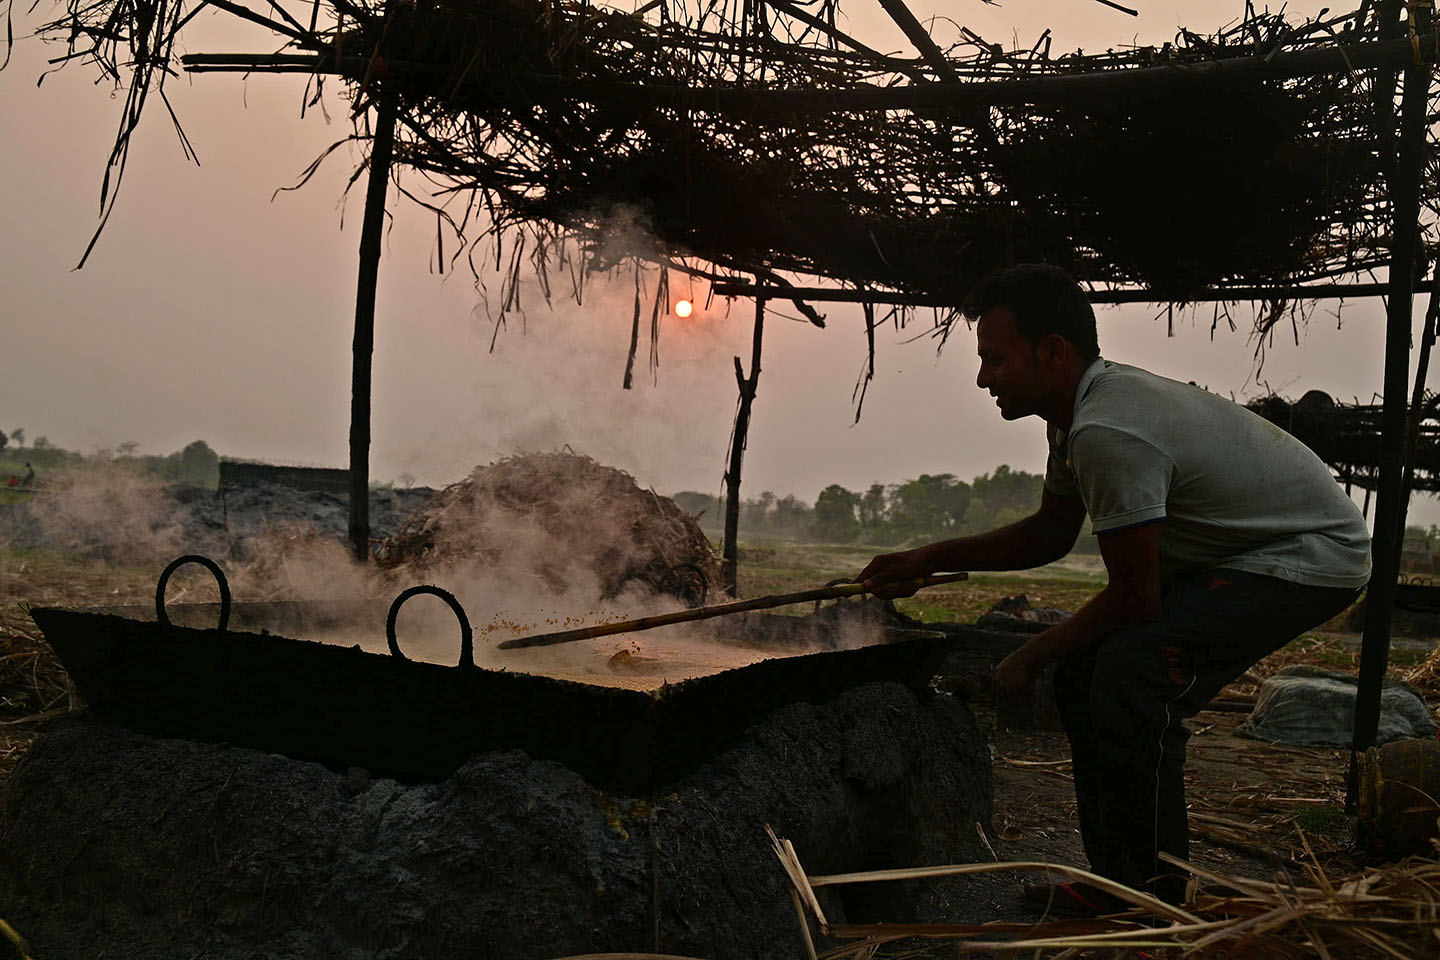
(683, 308)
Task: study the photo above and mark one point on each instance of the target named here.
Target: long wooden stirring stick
(705, 613)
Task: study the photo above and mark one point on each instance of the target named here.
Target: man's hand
(892, 575)
(1132, 596)
(1016, 675)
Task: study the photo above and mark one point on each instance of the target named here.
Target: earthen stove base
(114, 844)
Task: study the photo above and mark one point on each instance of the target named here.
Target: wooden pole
(381, 151)
(710, 612)
(1419, 409)
(747, 386)
(1404, 188)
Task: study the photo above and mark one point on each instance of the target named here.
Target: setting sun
(683, 308)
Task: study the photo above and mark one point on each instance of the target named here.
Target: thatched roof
(757, 137)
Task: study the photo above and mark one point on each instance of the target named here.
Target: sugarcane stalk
(706, 613)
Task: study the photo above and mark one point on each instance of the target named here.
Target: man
(1224, 538)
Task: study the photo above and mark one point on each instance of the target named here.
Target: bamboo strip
(1158, 907)
(706, 613)
(626, 956)
(18, 942)
(937, 930)
(791, 863)
(804, 924)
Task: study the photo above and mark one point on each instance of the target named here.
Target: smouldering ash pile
(125, 516)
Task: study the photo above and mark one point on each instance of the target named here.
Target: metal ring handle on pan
(837, 582)
(467, 636)
(208, 564)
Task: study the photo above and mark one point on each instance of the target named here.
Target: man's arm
(1043, 537)
(1132, 558)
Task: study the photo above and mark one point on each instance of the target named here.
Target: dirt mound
(564, 517)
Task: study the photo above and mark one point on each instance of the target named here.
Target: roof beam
(1328, 291)
(1054, 88)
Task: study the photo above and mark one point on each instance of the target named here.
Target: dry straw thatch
(558, 516)
(1391, 911)
(756, 136)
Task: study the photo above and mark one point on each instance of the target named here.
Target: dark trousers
(1123, 704)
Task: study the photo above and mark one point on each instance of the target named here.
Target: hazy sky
(209, 310)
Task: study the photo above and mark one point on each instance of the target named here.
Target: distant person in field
(1223, 536)
(29, 475)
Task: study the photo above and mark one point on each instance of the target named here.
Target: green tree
(758, 513)
(835, 515)
(1007, 491)
(200, 466)
(792, 516)
(928, 507)
(871, 507)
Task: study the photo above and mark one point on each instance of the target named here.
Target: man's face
(1010, 367)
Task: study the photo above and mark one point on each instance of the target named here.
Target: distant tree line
(196, 465)
(930, 507)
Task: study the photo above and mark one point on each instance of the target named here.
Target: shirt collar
(1087, 378)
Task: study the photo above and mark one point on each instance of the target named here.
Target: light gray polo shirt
(1233, 489)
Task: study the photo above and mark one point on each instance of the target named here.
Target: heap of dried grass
(33, 684)
(561, 517)
(34, 687)
(1391, 911)
(1425, 677)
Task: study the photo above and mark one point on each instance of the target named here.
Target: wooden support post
(1419, 409)
(737, 451)
(381, 150)
(1404, 189)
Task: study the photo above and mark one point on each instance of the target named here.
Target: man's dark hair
(1044, 299)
